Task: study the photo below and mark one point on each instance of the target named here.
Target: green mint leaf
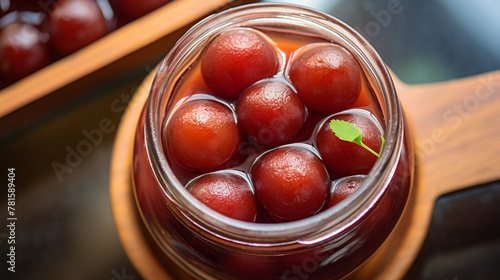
(381, 145)
(345, 131)
(348, 132)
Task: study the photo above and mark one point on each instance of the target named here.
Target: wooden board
(456, 131)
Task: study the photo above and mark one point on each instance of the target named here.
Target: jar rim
(321, 225)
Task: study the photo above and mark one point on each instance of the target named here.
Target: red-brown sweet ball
(226, 193)
(343, 188)
(343, 158)
(326, 77)
(203, 135)
(291, 183)
(236, 59)
(23, 50)
(74, 24)
(270, 112)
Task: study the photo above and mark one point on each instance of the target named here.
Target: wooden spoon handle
(456, 128)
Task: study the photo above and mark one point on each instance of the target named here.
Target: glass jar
(328, 245)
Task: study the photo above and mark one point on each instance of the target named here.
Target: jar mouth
(322, 225)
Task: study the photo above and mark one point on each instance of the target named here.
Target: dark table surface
(65, 229)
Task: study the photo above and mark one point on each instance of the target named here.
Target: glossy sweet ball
(344, 158)
(226, 193)
(270, 112)
(343, 188)
(236, 59)
(291, 183)
(326, 77)
(74, 24)
(23, 50)
(203, 135)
